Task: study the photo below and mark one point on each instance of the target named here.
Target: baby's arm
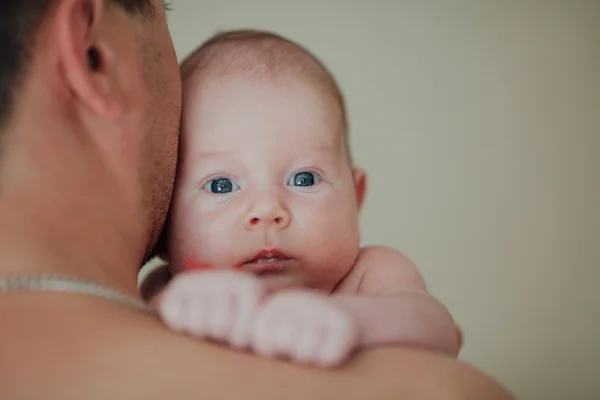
(388, 297)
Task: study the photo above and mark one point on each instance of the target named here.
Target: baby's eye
(304, 179)
(221, 186)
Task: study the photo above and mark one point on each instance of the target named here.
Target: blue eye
(304, 179)
(221, 186)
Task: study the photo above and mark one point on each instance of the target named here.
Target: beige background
(479, 125)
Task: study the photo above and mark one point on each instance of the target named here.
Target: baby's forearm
(412, 318)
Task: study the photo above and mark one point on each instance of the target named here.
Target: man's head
(90, 90)
(264, 165)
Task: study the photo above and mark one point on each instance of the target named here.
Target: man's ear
(86, 59)
(360, 185)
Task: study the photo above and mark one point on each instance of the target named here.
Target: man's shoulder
(73, 346)
(69, 347)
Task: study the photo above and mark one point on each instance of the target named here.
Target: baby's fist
(216, 304)
(305, 327)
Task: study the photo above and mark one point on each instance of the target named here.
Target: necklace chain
(60, 283)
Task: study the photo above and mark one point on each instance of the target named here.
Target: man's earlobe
(85, 57)
(360, 185)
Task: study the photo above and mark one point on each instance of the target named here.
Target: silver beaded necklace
(59, 283)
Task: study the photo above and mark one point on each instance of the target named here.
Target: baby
(263, 234)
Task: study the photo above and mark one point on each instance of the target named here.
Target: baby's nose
(268, 215)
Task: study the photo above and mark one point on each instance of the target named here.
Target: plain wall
(478, 123)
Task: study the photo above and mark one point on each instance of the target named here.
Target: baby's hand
(306, 327)
(216, 304)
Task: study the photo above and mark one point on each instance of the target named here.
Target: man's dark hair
(19, 21)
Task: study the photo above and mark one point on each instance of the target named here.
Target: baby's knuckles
(193, 296)
(315, 315)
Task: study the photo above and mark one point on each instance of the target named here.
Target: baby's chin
(296, 272)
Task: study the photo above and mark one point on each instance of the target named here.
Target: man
(89, 114)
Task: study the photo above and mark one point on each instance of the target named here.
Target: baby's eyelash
(168, 5)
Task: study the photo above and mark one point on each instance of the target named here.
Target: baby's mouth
(267, 262)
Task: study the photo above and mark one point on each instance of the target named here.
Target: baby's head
(265, 178)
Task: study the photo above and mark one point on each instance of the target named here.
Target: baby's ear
(360, 186)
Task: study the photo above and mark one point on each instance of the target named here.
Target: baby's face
(264, 182)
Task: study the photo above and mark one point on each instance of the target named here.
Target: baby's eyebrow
(311, 154)
(212, 154)
(199, 161)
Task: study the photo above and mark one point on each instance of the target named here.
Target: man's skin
(87, 163)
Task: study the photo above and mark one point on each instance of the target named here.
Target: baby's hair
(261, 54)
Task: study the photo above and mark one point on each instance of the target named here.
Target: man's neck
(61, 212)
(32, 249)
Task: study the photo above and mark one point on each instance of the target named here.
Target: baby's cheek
(210, 243)
(188, 243)
(332, 245)
(337, 240)
(191, 263)
(336, 226)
